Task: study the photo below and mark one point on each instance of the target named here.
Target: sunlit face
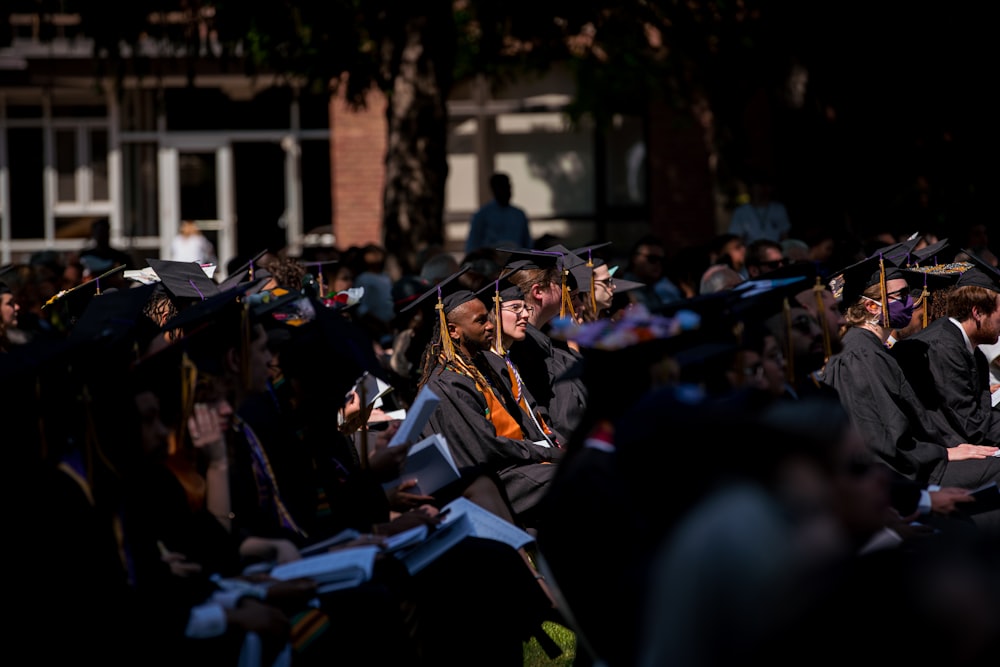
(8, 310)
(514, 320)
(469, 325)
(604, 287)
(988, 329)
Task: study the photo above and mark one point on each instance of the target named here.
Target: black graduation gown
(552, 374)
(499, 366)
(462, 418)
(885, 408)
(951, 381)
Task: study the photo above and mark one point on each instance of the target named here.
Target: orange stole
(505, 425)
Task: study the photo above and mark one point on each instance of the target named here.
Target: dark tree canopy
(866, 116)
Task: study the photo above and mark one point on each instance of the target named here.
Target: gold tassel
(789, 356)
(884, 294)
(498, 343)
(824, 323)
(446, 344)
(245, 352)
(593, 297)
(567, 302)
(925, 296)
(189, 380)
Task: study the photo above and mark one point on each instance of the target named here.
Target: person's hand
(398, 361)
(269, 622)
(965, 452)
(178, 562)
(947, 499)
(291, 593)
(268, 549)
(206, 432)
(425, 515)
(401, 500)
(386, 462)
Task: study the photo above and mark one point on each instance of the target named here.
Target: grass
(535, 656)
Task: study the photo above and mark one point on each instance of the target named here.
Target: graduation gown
(885, 408)
(462, 417)
(521, 395)
(552, 374)
(952, 382)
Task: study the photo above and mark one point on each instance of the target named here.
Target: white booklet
(332, 570)
(423, 407)
(430, 463)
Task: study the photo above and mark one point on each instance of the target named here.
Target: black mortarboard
(117, 315)
(450, 293)
(247, 272)
(76, 299)
(981, 274)
(184, 280)
(936, 253)
(900, 254)
(851, 282)
(317, 267)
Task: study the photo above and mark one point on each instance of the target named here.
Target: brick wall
(357, 146)
(682, 210)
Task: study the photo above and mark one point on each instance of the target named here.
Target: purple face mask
(900, 313)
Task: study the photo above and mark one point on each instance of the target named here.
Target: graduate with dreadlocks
(477, 415)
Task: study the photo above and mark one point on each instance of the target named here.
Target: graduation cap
(980, 275)
(317, 267)
(900, 254)
(497, 292)
(554, 257)
(117, 315)
(328, 354)
(624, 284)
(247, 272)
(451, 294)
(183, 281)
(939, 252)
(71, 303)
(851, 282)
(4, 287)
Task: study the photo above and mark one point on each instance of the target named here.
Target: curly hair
(288, 272)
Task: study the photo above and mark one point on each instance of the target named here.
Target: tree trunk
(418, 60)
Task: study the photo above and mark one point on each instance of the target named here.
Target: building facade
(259, 163)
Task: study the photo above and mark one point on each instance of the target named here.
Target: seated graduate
(945, 365)
(877, 394)
(478, 417)
(509, 314)
(547, 281)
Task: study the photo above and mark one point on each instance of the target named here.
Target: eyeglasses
(899, 294)
(773, 264)
(607, 282)
(518, 308)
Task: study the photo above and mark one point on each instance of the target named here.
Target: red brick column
(357, 173)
